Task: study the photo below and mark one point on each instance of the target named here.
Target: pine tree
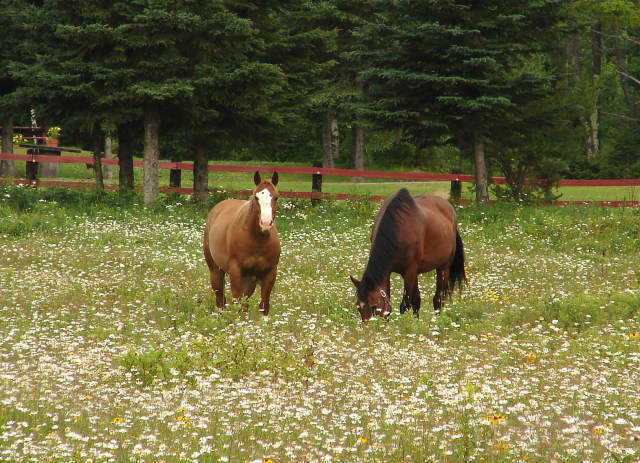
(13, 56)
(441, 68)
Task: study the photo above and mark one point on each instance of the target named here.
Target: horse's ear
(274, 178)
(256, 178)
(355, 281)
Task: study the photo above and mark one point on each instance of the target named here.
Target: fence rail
(410, 176)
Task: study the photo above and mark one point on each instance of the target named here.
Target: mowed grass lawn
(111, 348)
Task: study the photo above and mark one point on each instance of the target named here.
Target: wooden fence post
(456, 187)
(31, 167)
(316, 185)
(175, 176)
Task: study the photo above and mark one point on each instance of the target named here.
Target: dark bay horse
(241, 240)
(411, 235)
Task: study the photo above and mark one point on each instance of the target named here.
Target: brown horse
(411, 235)
(240, 239)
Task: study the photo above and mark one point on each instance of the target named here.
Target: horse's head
(266, 196)
(372, 299)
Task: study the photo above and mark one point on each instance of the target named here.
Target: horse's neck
(250, 212)
(381, 261)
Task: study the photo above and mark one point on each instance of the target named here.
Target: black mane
(385, 246)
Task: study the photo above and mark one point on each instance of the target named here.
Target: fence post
(31, 168)
(175, 178)
(456, 187)
(316, 185)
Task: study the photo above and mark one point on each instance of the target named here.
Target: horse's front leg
(404, 305)
(216, 276)
(411, 294)
(265, 290)
(242, 287)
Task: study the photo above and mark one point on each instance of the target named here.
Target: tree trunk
(593, 138)
(573, 64)
(357, 149)
(621, 65)
(335, 139)
(125, 159)
(327, 145)
(482, 188)
(97, 169)
(108, 154)
(151, 157)
(7, 168)
(201, 175)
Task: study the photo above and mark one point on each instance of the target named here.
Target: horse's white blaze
(266, 213)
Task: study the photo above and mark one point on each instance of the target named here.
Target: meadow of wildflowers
(111, 350)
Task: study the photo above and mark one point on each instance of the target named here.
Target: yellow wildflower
(495, 418)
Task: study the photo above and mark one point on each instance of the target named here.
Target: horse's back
(439, 223)
(432, 204)
(219, 220)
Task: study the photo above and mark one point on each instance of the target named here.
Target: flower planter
(52, 141)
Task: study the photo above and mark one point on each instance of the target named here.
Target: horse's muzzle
(266, 226)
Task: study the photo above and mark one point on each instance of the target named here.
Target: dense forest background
(521, 88)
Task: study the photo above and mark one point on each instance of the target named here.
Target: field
(111, 349)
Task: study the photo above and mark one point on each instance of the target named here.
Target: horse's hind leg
(415, 298)
(216, 275)
(441, 284)
(217, 283)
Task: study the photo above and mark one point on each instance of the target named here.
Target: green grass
(111, 348)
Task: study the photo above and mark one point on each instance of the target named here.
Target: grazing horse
(241, 240)
(411, 235)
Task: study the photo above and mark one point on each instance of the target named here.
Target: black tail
(457, 277)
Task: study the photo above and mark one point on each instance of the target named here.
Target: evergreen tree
(441, 67)
(13, 56)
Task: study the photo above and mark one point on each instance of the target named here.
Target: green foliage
(146, 366)
(448, 69)
(248, 80)
(235, 360)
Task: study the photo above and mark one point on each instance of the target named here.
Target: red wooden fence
(410, 176)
